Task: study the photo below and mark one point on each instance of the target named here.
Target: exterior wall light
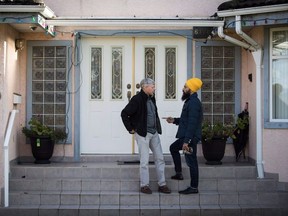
(19, 44)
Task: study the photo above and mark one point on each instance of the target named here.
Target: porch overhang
(28, 17)
(253, 10)
(44, 10)
(136, 22)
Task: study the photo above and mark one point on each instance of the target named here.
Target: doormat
(138, 162)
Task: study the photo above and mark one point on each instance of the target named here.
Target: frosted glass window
(49, 66)
(218, 90)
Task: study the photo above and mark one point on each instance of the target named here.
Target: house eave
(253, 10)
(145, 22)
(42, 9)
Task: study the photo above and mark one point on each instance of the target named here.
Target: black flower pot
(42, 149)
(213, 150)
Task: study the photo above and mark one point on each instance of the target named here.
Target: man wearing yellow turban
(188, 134)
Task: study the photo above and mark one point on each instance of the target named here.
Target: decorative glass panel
(49, 63)
(37, 51)
(49, 85)
(150, 63)
(170, 73)
(37, 74)
(49, 74)
(96, 73)
(117, 73)
(49, 52)
(60, 63)
(218, 90)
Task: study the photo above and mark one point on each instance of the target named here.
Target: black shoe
(177, 177)
(146, 189)
(164, 189)
(189, 190)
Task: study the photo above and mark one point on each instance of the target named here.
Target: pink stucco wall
(275, 148)
(275, 151)
(9, 84)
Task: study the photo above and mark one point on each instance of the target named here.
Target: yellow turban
(194, 84)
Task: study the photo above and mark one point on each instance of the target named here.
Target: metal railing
(6, 156)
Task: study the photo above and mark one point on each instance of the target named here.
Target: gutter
(242, 34)
(257, 54)
(145, 22)
(42, 9)
(233, 40)
(253, 10)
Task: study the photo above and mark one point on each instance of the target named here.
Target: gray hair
(146, 81)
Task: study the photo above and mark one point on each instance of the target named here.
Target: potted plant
(42, 139)
(214, 137)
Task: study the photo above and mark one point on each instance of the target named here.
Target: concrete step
(114, 171)
(133, 198)
(237, 185)
(107, 187)
(112, 210)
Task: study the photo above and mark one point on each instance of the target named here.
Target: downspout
(257, 55)
(233, 40)
(259, 142)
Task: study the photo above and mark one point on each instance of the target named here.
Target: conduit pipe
(233, 40)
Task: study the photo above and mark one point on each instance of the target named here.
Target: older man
(140, 117)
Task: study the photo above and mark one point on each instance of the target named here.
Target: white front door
(110, 70)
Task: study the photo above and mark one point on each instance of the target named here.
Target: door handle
(129, 95)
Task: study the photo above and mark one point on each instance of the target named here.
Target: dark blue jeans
(191, 160)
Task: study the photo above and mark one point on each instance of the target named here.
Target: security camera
(33, 28)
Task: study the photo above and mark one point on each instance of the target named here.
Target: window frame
(267, 58)
(199, 44)
(30, 45)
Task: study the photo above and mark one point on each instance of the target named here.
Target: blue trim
(183, 33)
(189, 58)
(266, 96)
(77, 107)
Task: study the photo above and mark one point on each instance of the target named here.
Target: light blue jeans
(151, 141)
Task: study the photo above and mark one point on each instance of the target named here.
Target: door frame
(131, 33)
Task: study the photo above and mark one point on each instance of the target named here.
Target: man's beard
(185, 95)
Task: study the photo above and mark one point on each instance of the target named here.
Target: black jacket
(190, 121)
(134, 115)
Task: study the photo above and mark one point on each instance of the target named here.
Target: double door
(111, 70)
